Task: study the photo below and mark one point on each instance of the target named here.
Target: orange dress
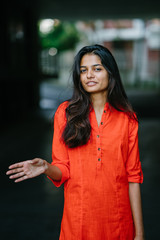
(96, 176)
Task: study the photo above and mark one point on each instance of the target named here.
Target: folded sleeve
(60, 157)
(133, 165)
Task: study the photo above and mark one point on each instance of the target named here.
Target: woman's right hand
(27, 169)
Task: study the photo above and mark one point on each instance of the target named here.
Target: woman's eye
(97, 69)
(82, 70)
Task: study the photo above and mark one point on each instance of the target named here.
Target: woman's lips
(91, 83)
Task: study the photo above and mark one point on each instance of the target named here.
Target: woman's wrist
(46, 166)
(52, 171)
(139, 231)
(140, 235)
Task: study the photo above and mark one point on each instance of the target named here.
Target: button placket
(104, 120)
(99, 151)
(98, 144)
(103, 117)
(98, 138)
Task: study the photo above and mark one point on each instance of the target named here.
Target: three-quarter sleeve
(133, 165)
(60, 157)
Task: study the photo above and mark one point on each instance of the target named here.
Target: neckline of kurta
(103, 122)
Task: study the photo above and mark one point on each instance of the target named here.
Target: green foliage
(64, 36)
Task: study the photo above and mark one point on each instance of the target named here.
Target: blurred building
(135, 43)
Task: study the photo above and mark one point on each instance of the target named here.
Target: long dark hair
(77, 130)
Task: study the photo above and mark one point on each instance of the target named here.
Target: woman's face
(93, 76)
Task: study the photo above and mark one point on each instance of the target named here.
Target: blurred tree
(62, 36)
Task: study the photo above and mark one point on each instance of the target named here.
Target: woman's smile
(91, 83)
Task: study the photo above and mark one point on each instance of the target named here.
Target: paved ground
(33, 209)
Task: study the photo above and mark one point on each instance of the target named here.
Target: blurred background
(39, 40)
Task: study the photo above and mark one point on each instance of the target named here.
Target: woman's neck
(98, 101)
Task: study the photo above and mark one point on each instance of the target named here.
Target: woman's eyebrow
(94, 65)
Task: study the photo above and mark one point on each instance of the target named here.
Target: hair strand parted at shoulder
(78, 128)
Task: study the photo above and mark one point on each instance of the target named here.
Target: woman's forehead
(90, 59)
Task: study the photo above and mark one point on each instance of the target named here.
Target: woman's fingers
(15, 170)
(21, 179)
(18, 175)
(16, 165)
(35, 160)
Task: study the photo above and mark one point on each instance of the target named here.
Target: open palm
(26, 169)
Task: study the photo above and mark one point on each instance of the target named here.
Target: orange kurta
(96, 176)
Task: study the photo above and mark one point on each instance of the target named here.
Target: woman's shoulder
(131, 120)
(127, 117)
(61, 110)
(126, 114)
(62, 107)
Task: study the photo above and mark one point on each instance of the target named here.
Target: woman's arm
(33, 168)
(136, 206)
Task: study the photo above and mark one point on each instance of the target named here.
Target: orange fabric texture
(96, 176)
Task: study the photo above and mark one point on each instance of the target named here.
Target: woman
(95, 154)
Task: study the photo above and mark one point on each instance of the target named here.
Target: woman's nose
(89, 73)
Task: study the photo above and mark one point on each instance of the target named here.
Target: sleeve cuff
(65, 175)
(136, 179)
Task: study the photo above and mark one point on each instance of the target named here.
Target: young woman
(95, 154)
